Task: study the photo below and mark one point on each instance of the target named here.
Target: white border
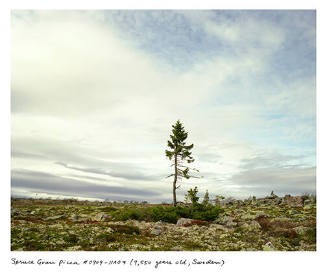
(236, 262)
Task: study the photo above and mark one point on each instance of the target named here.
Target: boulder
(184, 221)
(188, 222)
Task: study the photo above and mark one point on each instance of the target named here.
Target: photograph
(163, 130)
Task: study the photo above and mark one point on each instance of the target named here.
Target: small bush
(168, 214)
(165, 214)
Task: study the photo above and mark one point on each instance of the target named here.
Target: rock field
(268, 224)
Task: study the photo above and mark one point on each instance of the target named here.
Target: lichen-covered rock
(183, 221)
(189, 222)
(242, 226)
(156, 231)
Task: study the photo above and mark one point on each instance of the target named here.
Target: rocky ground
(272, 223)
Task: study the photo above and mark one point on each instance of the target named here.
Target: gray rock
(184, 221)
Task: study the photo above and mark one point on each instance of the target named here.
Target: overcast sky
(94, 95)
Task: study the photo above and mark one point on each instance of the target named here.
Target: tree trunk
(174, 183)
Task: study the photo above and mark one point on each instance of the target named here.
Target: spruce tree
(206, 198)
(179, 153)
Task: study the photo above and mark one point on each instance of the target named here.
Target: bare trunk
(174, 183)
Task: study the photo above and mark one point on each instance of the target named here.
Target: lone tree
(179, 153)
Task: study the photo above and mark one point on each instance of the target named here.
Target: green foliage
(206, 198)
(192, 195)
(177, 144)
(128, 213)
(205, 212)
(165, 214)
(169, 214)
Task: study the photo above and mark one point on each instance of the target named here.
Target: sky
(94, 95)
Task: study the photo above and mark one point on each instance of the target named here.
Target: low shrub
(168, 214)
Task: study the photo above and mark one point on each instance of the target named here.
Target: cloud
(49, 183)
(282, 180)
(98, 91)
(272, 159)
(126, 174)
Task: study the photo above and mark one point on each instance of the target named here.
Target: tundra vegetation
(271, 223)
